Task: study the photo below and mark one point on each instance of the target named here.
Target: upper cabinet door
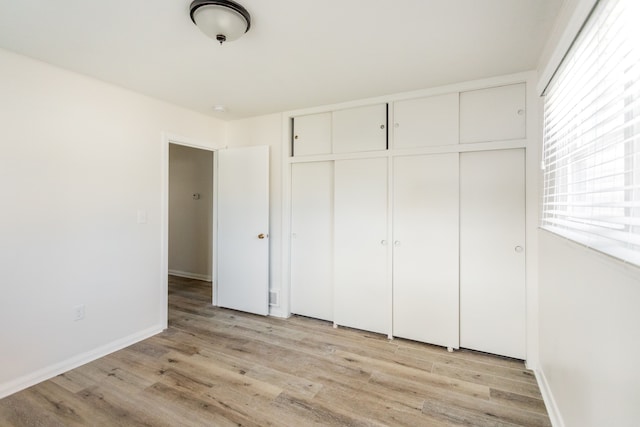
(312, 134)
(494, 114)
(360, 129)
(426, 122)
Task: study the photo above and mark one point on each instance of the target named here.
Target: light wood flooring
(218, 367)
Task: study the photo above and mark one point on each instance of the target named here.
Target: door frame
(169, 138)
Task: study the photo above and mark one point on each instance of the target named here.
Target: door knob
(396, 243)
(519, 249)
(261, 236)
(383, 242)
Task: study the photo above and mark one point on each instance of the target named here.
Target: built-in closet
(408, 219)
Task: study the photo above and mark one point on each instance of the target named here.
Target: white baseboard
(278, 312)
(187, 275)
(49, 372)
(549, 401)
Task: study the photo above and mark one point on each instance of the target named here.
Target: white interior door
(361, 292)
(243, 229)
(492, 258)
(425, 249)
(312, 239)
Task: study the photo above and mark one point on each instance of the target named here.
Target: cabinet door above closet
(360, 129)
(312, 134)
(493, 114)
(426, 122)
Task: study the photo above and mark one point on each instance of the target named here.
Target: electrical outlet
(78, 312)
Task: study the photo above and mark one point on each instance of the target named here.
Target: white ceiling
(298, 53)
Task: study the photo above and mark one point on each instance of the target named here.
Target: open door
(243, 229)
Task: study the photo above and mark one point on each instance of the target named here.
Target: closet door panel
(493, 114)
(311, 239)
(426, 122)
(425, 257)
(492, 258)
(360, 129)
(361, 291)
(312, 134)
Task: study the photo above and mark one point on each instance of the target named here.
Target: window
(591, 151)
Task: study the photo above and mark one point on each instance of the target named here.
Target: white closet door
(361, 292)
(311, 239)
(425, 249)
(492, 258)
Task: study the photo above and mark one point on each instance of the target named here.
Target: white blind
(591, 151)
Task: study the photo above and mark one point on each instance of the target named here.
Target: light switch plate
(142, 217)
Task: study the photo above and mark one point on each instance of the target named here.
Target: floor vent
(274, 298)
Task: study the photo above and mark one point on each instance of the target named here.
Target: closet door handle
(519, 249)
(383, 242)
(261, 236)
(396, 243)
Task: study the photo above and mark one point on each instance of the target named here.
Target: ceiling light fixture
(223, 20)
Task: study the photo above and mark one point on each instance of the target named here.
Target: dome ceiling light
(223, 20)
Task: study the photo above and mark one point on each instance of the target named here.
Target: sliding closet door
(361, 292)
(425, 248)
(492, 258)
(311, 239)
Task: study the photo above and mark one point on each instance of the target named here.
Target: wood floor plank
(111, 409)
(366, 401)
(295, 385)
(512, 373)
(316, 413)
(19, 410)
(221, 367)
(479, 377)
(192, 410)
(518, 401)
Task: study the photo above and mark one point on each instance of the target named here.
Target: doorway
(190, 212)
(190, 221)
(239, 226)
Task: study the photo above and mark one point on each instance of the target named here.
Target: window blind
(591, 148)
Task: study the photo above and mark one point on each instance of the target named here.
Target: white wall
(588, 328)
(267, 130)
(190, 220)
(79, 160)
(589, 339)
